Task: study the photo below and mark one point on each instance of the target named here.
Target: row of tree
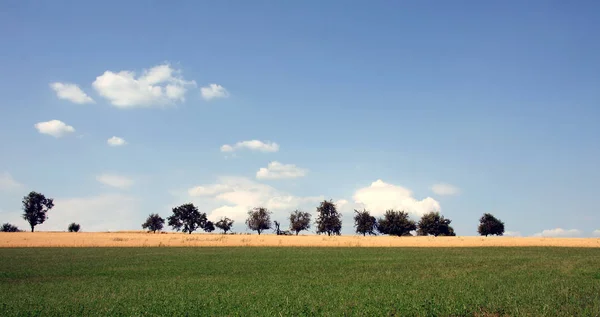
(187, 218)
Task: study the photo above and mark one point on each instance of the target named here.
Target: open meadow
(272, 281)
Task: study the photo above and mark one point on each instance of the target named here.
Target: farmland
(305, 281)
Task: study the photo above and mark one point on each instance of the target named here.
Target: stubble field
(294, 281)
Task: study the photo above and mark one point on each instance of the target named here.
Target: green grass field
(299, 281)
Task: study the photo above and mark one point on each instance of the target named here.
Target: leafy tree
(259, 219)
(154, 223)
(35, 207)
(224, 224)
(74, 227)
(396, 223)
(187, 218)
(435, 224)
(329, 219)
(209, 227)
(7, 227)
(488, 224)
(364, 222)
(299, 221)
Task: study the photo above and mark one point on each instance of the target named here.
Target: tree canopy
(224, 224)
(259, 219)
(74, 227)
(364, 222)
(490, 225)
(209, 227)
(299, 221)
(35, 208)
(154, 223)
(329, 220)
(7, 227)
(187, 218)
(434, 224)
(396, 223)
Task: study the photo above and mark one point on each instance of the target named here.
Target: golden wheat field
(144, 239)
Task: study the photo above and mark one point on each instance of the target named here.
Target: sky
(121, 109)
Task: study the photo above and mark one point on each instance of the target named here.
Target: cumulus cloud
(234, 196)
(213, 91)
(253, 145)
(559, 232)
(115, 180)
(55, 128)
(71, 92)
(276, 170)
(116, 141)
(445, 189)
(8, 183)
(380, 196)
(160, 85)
(512, 233)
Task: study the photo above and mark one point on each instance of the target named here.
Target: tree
(488, 224)
(435, 224)
(280, 232)
(224, 224)
(364, 222)
(209, 227)
(187, 218)
(396, 223)
(74, 227)
(259, 219)
(35, 207)
(154, 223)
(7, 227)
(299, 221)
(329, 220)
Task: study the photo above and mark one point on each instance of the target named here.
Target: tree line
(187, 219)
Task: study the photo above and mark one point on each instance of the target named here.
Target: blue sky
(464, 106)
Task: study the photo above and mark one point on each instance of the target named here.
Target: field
(301, 281)
(142, 239)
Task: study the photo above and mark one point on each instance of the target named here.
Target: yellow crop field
(144, 239)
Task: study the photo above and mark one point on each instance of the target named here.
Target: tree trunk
(296, 232)
(32, 228)
(258, 232)
(364, 233)
(190, 232)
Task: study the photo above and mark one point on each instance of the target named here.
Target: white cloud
(596, 233)
(55, 128)
(559, 232)
(512, 233)
(71, 92)
(214, 91)
(234, 196)
(276, 170)
(8, 183)
(254, 145)
(160, 85)
(114, 180)
(94, 213)
(381, 196)
(445, 189)
(116, 141)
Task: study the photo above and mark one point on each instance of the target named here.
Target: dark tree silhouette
(35, 207)
(74, 227)
(489, 225)
(224, 224)
(187, 218)
(7, 227)
(329, 220)
(364, 222)
(280, 232)
(299, 221)
(154, 223)
(434, 224)
(259, 219)
(396, 223)
(209, 227)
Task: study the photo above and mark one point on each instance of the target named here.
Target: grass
(299, 281)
